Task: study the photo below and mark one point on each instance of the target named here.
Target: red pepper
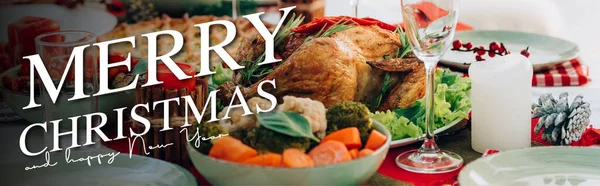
(319, 23)
(381, 24)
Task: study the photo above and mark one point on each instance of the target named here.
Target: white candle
(501, 103)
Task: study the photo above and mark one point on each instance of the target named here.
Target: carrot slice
(348, 136)
(364, 152)
(267, 160)
(353, 153)
(376, 140)
(231, 149)
(329, 152)
(295, 158)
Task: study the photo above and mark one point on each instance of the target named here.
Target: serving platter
(545, 51)
(535, 166)
(137, 170)
(408, 141)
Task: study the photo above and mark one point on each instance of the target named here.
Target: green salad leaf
(400, 127)
(288, 123)
(452, 102)
(221, 75)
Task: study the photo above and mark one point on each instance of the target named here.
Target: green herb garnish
(406, 49)
(253, 72)
(288, 123)
(385, 89)
(339, 26)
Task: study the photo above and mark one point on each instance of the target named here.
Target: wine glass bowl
(429, 27)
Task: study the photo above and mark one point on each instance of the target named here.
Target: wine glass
(55, 49)
(430, 26)
(354, 5)
(235, 10)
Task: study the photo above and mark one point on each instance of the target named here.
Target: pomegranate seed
(480, 51)
(456, 45)
(468, 45)
(479, 58)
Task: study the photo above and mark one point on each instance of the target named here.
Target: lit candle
(170, 81)
(501, 103)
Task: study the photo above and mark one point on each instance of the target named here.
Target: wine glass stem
(429, 145)
(235, 10)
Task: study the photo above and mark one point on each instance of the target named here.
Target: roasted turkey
(349, 65)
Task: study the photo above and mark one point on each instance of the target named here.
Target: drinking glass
(55, 49)
(235, 10)
(354, 5)
(430, 26)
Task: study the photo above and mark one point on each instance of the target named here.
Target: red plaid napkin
(571, 73)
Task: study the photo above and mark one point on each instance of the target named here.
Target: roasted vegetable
(247, 136)
(349, 114)
(203, 133)
(295, 158)
(270, 141)
(231, 149)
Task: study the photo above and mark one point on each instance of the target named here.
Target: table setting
(397, 92)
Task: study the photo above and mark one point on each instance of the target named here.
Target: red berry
(456, 45)
(479, 58)
(501, 49)
(491, 54)
(525, 52)
(494, 46)
(468, 45)
(480, 51)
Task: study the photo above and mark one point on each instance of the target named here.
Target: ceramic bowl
(219, 172)
(17, 100)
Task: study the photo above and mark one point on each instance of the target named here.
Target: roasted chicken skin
(349, 65)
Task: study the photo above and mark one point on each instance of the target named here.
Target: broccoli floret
(204, 133)
(349, 114)
(247, 136)
(268, 140)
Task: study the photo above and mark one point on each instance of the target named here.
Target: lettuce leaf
(221, 75)
(400, 127)
(452, 102)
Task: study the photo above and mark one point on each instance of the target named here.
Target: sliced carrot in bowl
(350, 137)
(329, 152)
(294, 158)
(376, 140)
(267, 160)
(231, 149)
(364, 152)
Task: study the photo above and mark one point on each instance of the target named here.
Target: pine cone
(561, 124)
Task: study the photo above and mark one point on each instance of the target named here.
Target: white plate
(83, 18)
(138, 170)
(408, 141)
(545, 51)
(535, 166)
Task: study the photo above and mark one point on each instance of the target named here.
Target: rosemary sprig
(405, 50)
(252, 73)
(285, 31)
(387, 80)
(385, 88)
(339, 26)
